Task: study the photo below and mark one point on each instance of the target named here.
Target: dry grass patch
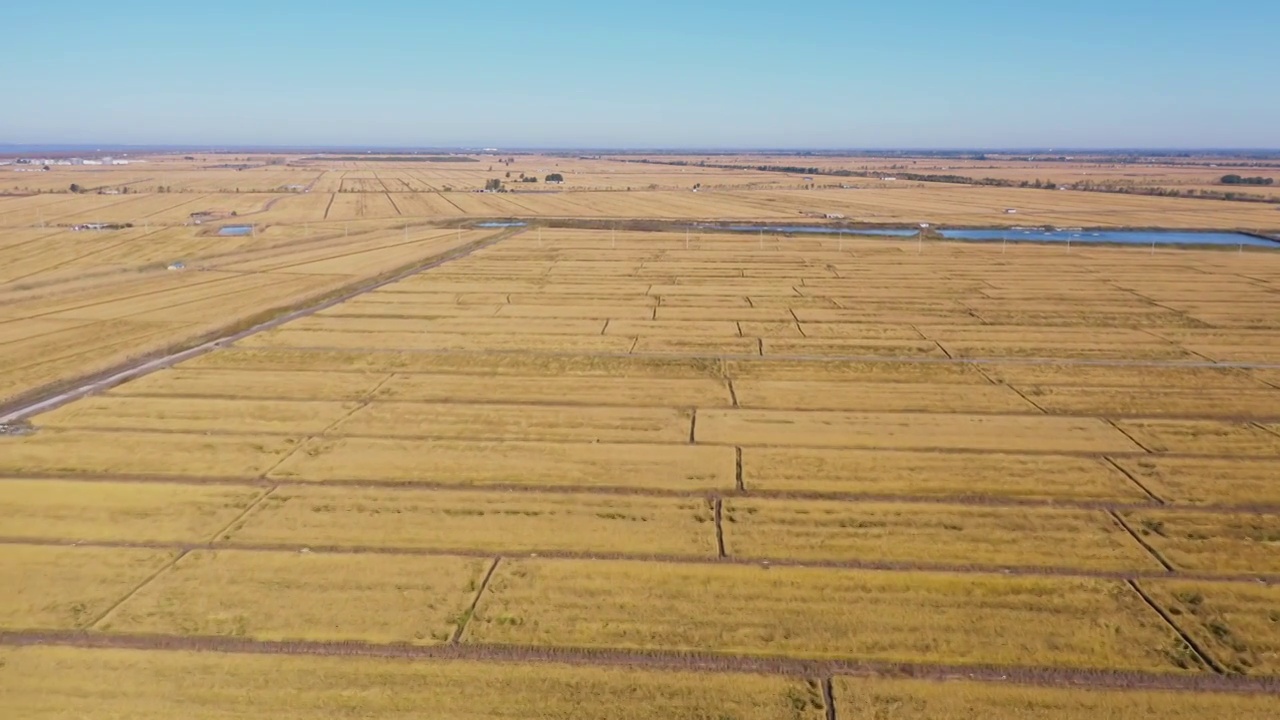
(1148, 402)
(936, 475)
(305, 596)
(64, 588)
(891, 699)
(1203, 437)
(197, 414)
(1238, 624)
(561, 390)
(53, 683)
(495, 522)
(87, 452)
(909, 430)
(878, 397)
(956, 535)
(602, 465)
(1207, 481)
(1212, 542)
(823, 613)
(97, 511)
(517, 422)
(259, 384)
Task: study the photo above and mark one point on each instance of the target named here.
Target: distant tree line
(1237, 180)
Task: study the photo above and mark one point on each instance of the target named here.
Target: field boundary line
(733, 392)
(1125, 433)
(738, 481)
(1204, 657)
(253, 506)
(475, 602)
(829, 697)
(717, 511)
(879, 566)
(138, 588)
(1134, 479)
(673, 660)
(44, 401)
(693, 425)
(1264, 428)
(1155, 554)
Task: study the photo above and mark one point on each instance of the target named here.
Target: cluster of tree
(1237, 180)
(75, 188)
(555, 178)
(494, 185)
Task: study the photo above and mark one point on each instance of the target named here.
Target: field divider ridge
(1200, 652)
(475, 601)
(829, 697)
(717, 511)
(136, 589)
(1127, 434)
(686, 661)
(1145, 545)
(1134, 479)
(238, 519)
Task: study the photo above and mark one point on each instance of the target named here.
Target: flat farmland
(647, 463)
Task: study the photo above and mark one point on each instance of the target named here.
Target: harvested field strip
(52, 683)
(1237, 625)
(63, 588)
(956, 535)
(487, 522)
(879, 397)
(486, 364)
(1206, 481)
(529, 422)
(123, 511)
(826, 614)
(907, 699)
(287, 339)
(1212, 542)
(939, 475)
(264, 385)
(79, 452)
(616, 392)
(679, 467)
(1203, 437)
(300, 596)
(170, 414)
(909, 431)
(1155, 403)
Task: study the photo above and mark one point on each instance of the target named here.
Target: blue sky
(542, 73)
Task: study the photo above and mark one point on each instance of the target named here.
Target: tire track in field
(332, 197)
(670, 660)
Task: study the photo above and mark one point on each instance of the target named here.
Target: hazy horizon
(749, 76)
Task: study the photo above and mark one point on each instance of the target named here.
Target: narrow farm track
(654, 660)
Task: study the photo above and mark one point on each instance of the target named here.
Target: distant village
(43, 164)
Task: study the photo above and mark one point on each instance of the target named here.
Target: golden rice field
(579, 473)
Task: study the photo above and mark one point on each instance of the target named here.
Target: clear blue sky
(543, 73)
